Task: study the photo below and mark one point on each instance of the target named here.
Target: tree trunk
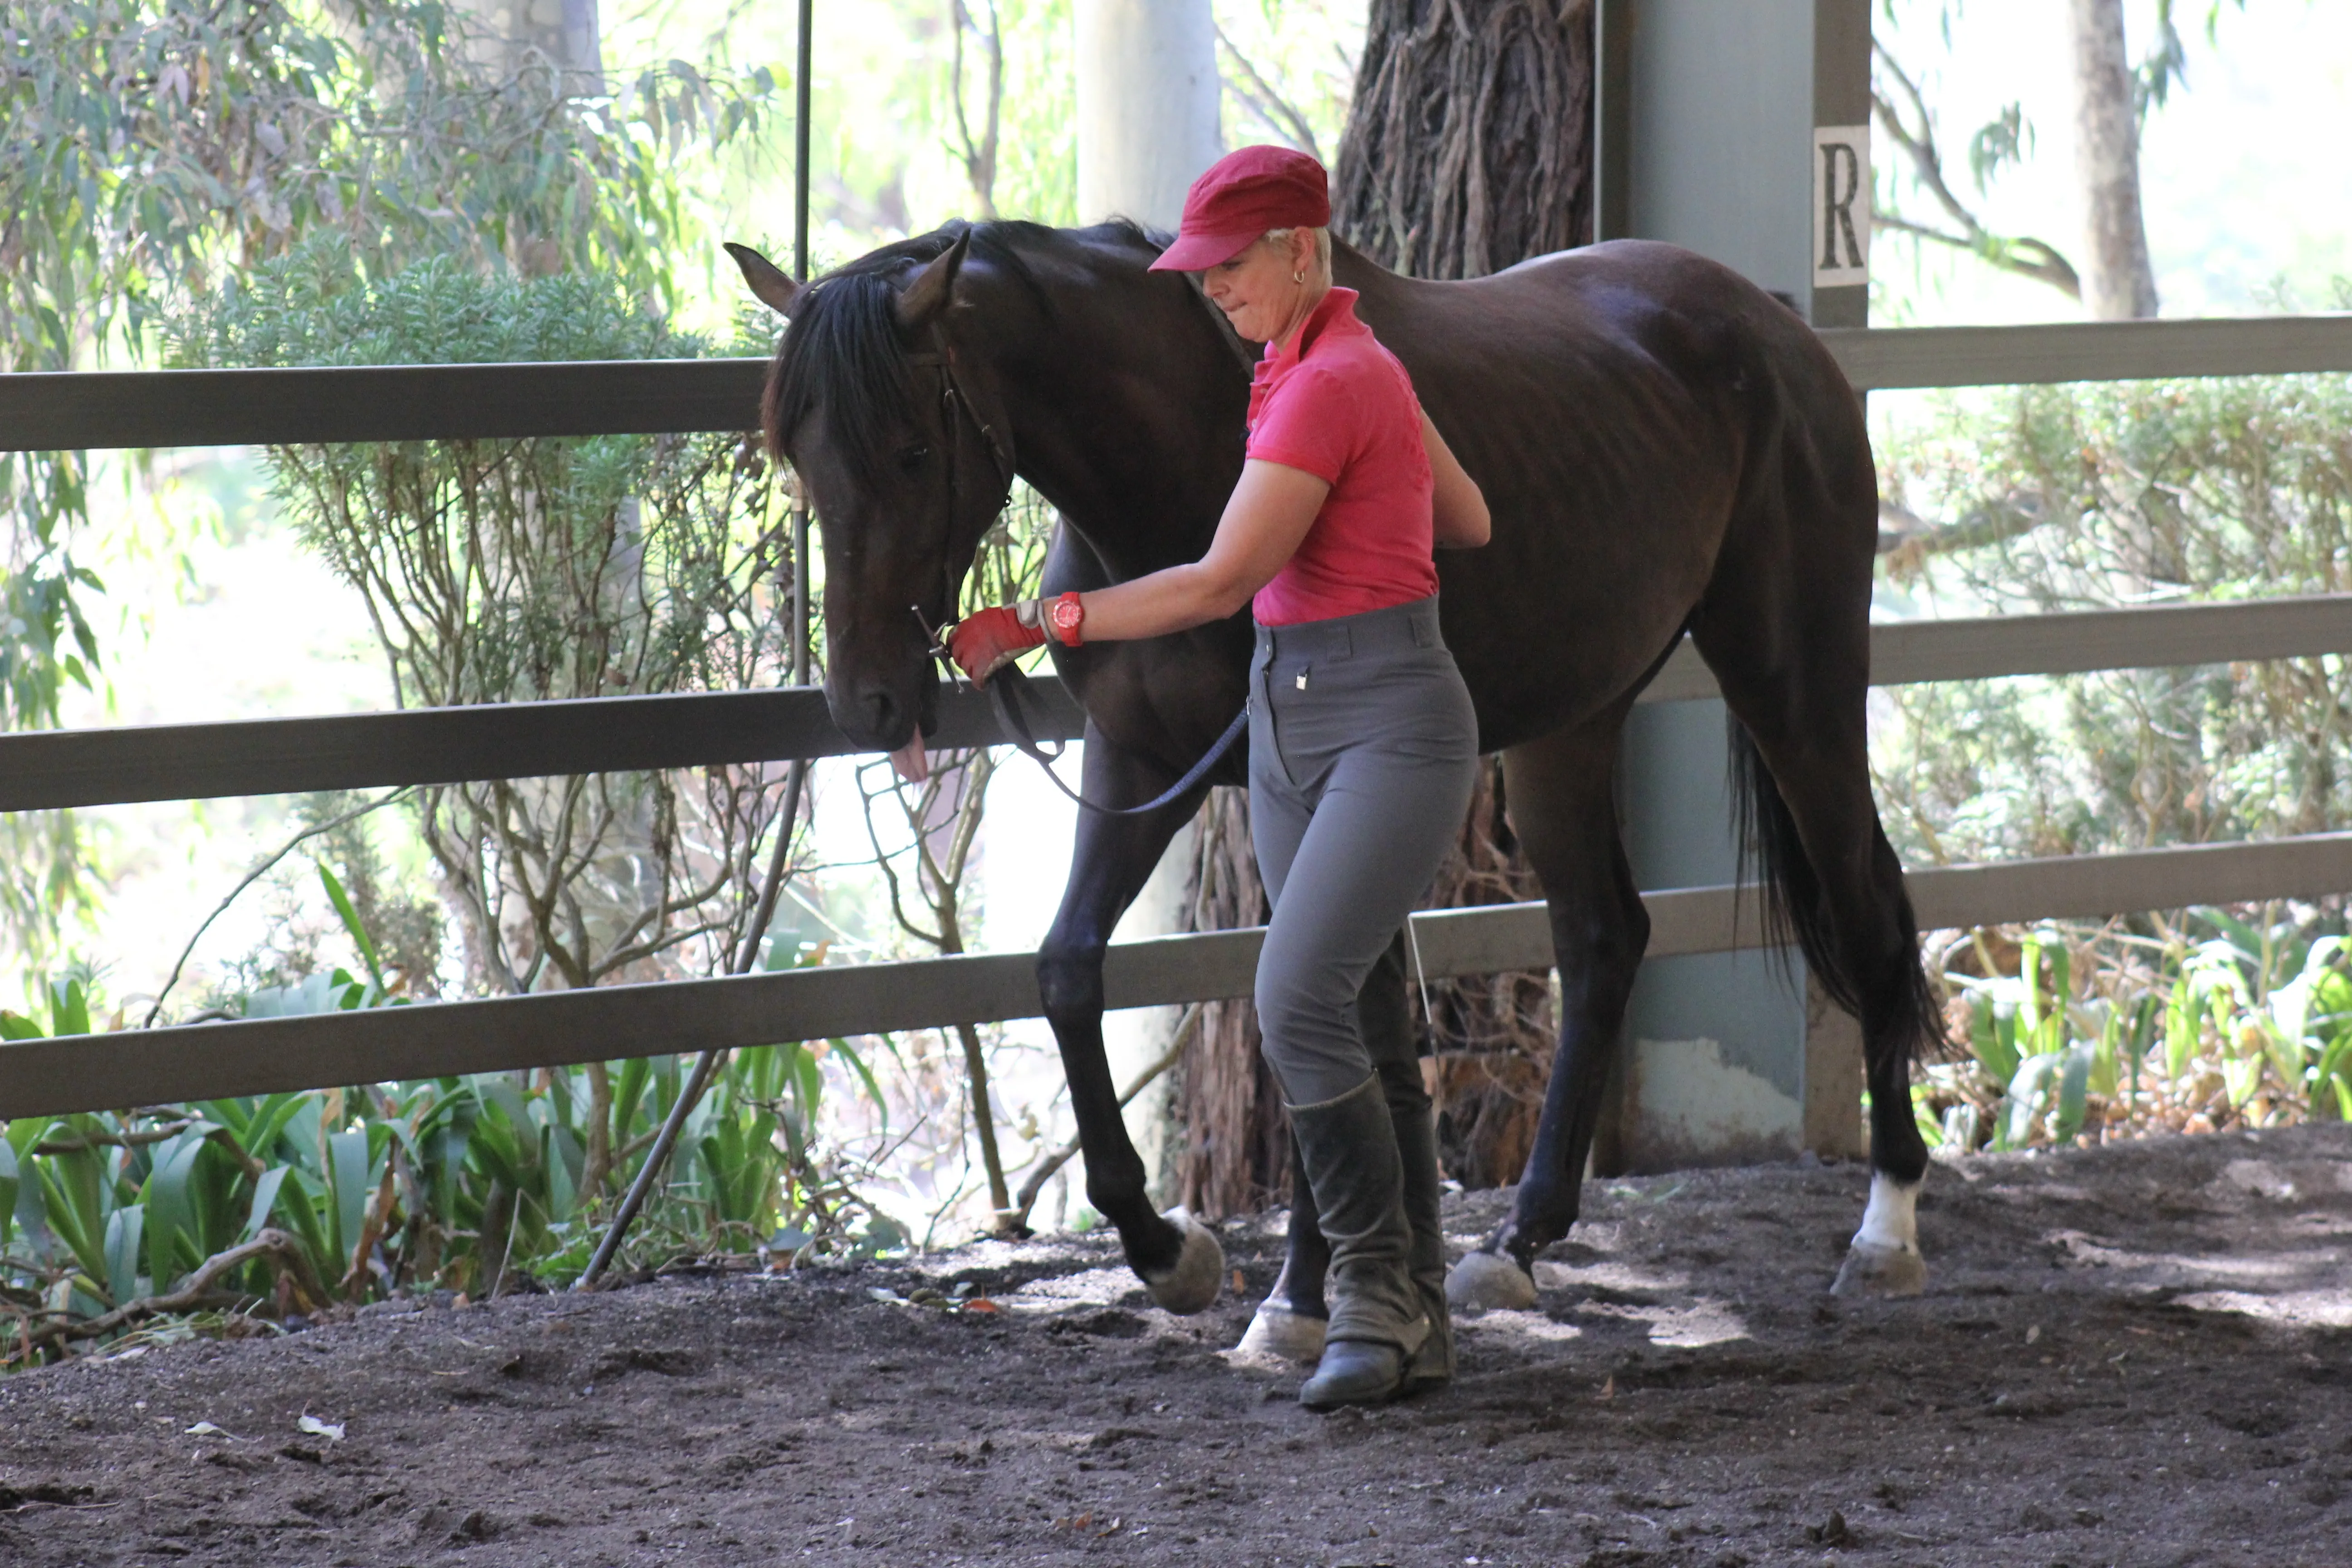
(563, 32)
(1491, 1036)
(1469, 146)
(2118, 283)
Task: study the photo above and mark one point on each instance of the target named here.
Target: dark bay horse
(1664, 448)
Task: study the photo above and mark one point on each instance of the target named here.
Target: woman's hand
(987, 640)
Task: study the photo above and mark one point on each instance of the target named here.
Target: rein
(1008, 687)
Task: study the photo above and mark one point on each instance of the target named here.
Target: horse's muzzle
(881, 715)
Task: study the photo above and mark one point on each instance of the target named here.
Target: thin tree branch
(253, 876)
(1026, 1199)
(2025, 255)
(1278, 111)
(271, 1243)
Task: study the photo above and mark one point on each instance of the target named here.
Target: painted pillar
(1147, 101)
(1148, 95)
(1708, 122)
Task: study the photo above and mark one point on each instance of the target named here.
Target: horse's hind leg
(1563, 807)
(1794, 666)
(1845, 894)
(1290, 1323)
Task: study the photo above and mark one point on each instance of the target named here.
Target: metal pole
(692, 1090)
(801, 115)
(704, 1065)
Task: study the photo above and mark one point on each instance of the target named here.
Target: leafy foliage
(478, 1184)
(150, 149)
(514, 570)
(2070, 498)
(2212, 1022)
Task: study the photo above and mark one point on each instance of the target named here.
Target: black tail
(1796, 913)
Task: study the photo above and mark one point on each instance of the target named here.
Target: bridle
(1009, 685)
(955, 407)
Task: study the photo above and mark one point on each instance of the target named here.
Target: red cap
(1244, 194)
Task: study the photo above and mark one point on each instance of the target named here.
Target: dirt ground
(2140, 1355)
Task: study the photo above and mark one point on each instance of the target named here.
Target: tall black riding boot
(1416, 1136)
(1349, 1148)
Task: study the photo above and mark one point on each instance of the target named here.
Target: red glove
(987, 640)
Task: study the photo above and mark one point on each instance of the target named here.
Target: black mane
(843, 348)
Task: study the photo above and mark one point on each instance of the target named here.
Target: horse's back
(1609, 401)
(1624, 306)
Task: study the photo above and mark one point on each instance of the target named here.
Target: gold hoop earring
(1298, 278)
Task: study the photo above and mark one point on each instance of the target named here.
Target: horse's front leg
(1176, 1256)
(1560, 793)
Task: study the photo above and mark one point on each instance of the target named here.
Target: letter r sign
(1841, 225)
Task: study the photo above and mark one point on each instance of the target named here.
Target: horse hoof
(1191, 1284)
(1282, 1334)
(1882, 1271)
(1488, 1281)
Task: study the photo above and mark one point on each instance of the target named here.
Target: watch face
(1066, 615)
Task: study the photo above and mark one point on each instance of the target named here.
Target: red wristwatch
(1065, 616)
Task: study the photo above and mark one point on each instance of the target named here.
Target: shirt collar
(1336, 308)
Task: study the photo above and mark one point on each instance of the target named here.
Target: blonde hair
(1321, 270)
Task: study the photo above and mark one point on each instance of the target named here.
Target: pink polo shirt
(1340, 406)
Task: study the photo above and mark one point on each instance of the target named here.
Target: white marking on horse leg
(1884, 1257)
(1892, 1216)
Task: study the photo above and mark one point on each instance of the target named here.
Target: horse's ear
(928, 295)
(771, 282)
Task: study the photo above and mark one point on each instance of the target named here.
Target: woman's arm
(1271, 509)
(1458, 509)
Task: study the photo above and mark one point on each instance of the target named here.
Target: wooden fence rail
(184, 408)
(46, 769)
(83, 410)
(152, 1066)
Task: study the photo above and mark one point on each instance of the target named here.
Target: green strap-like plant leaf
(8, 1190)
(124, 1230)
(353, 1183)
(265, 1201)
(172, 1241)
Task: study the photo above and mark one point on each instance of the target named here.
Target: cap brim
(1197, 252)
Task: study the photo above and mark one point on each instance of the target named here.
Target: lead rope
(1004, 695)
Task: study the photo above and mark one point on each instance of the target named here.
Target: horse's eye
(912, 458)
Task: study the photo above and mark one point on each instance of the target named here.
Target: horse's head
(905, 456)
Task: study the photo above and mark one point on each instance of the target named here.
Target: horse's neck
(1128, 415)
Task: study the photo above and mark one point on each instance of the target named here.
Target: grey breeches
(1363, 752)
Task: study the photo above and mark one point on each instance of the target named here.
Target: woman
(1362, 743)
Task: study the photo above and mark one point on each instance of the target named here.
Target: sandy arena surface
(2139, 1354)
